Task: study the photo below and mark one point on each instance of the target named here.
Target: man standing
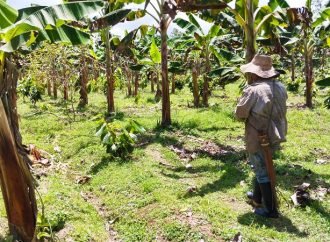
(263, 108)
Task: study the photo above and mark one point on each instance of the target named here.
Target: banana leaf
(8, 15)
(109, 20)
(64, 34)
(51, 17)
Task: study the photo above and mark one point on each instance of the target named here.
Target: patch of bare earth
(103, 213)
(236, 204)
(63, 234)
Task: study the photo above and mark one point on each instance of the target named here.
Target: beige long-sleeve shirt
(263, 107)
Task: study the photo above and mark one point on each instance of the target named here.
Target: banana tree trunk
(136, 83)
(308, 54)
(166, 105)
(152, 84)
(55, 90)
(324, 54)
(110, 89)
(292, 68)
(173, 83)
(54, 82)
(65, 90)
(49, 87)
(195, 87)
(83, 82)
(129, 85)
(15, 178)
(157, 83)
(250, 36)
(206, 81)
(158, 90)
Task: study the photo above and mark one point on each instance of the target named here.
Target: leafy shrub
(179, 84)
(29, 88)
(293, 86)
(118, 139)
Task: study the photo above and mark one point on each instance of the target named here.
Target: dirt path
(103, 213)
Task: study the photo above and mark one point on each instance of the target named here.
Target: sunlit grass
(144, 200)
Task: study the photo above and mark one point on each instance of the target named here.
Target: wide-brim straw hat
(262, 66)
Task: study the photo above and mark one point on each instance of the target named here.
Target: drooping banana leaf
(224, 55)
(109, 19)
(8, 15)
(186, 25)
(126, 41)
(222, 71)
(53, 16)
(273, 4)
(64, 34)
(194, 21)
(26, 12)
(324, 15)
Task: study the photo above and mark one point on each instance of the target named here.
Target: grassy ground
(152, 195)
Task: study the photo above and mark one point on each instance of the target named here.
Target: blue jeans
(258, 164)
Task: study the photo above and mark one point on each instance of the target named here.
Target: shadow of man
(281, 224)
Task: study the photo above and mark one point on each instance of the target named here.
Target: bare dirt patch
(190, 147)
(63, 234)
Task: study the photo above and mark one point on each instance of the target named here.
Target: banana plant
(207, 44)
(113, 12)
(164, 14)
(303, 18)
(27, 27)
(253, 19)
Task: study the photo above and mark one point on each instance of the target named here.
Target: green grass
(143, 200)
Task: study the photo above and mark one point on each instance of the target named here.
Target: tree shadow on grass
(281, 224)
(230, 176)
(157, 137)
(226, 162)
(106, 160)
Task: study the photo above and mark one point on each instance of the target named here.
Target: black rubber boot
(255, 196)
(270, 210)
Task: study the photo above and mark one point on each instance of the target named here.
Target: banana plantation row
(88, 57)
